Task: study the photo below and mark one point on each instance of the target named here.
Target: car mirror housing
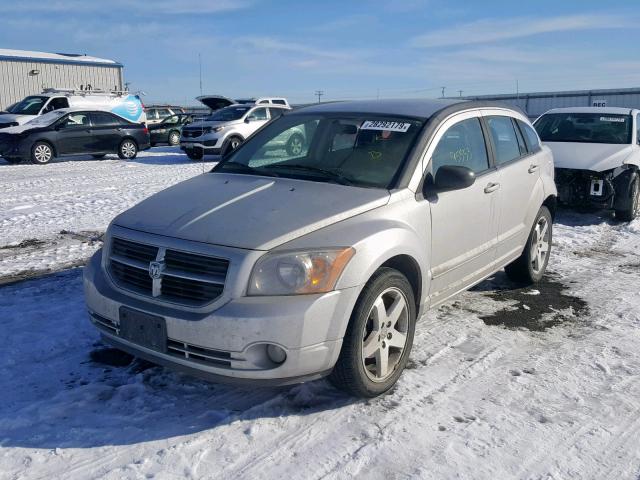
(453, 177)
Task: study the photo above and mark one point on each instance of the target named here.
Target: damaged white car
(597, 157)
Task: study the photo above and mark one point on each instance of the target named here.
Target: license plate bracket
(143, 329)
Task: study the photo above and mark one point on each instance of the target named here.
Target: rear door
(106, 131)
(464, 223)
(75, 134)
(521, 192)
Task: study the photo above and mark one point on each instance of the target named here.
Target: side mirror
(248, 119)
(452, 177)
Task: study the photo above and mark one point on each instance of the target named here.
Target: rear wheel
(128, 149)
(41, 153)
(633, 211)
(379, 337)
(174, 138)
(532, 264)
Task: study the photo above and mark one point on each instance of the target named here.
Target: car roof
(417, 108)
(605, 110)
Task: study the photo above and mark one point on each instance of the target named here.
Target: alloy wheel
(42, 153)
(128, 149)
(385, 334)
(539, 245)
(295, 146)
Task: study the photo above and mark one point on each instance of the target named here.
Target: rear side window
(533, 143)
(279, 102)
(462, 145)
(275, 112)
(103, 119)
(504, 139)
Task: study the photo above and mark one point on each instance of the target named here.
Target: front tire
(195, 154)
(231, 145)
(295, 145)
(633, 211)
(174, 138)
(379, 337)
(41, 153)
(128, 149)
(532, 264)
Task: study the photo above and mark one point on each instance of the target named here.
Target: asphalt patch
(537, 308)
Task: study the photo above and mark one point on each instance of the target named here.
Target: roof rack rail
(90, 91)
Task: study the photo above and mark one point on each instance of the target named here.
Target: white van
(123, 104)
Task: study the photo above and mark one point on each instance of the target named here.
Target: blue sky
(349, 49)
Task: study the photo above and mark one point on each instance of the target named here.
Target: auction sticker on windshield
(385, 125)
(612, 119)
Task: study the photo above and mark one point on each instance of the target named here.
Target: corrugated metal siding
(535, 104)
(16, 83)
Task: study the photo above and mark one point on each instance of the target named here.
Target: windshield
(46, 119)
(29, 106)
(584, 128)
(228, 113)
(364, 151)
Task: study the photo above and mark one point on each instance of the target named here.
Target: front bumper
(584, 188)
(229, 344)
(209, 143)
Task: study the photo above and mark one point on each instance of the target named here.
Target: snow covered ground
(53, 215)
(537, 383)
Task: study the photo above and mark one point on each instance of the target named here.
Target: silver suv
(276, 268)
(226, 129)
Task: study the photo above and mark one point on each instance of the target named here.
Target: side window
(504, 139)
(103, 119)
(279, 102)
(522, 146)
(75, 120)
(462, 145)
(163, 112)
(172, 120)
(275, 112)
(533, 143)
(259, 114)
(56, 104)
(151, 114)
(261, 102)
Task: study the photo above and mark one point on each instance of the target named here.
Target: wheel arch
(410, 268)
(551, 202)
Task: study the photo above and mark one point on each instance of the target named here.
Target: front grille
(191, 133)
(185, 278)
(202, 355)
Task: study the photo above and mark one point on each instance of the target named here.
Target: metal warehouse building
(25, 73)
(535, 104)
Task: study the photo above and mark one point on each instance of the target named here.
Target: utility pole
(200, 63)
(443, 91)
(319, 94)
(460, 92)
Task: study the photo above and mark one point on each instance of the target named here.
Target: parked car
(226, 129)
(597, 157)
(169, 130)
(157, 113)
(123, 104)
(216, 102)
(276, 268)
(73, 132)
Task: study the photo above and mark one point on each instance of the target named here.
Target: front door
(464, 222)
(74, 134)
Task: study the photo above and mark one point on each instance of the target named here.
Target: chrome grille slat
(198, 354)
(186, 278)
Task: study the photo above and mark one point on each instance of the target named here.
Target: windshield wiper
(241, 167)
(330, 174)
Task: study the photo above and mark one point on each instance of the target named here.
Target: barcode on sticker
(385, 125)
(612, 119)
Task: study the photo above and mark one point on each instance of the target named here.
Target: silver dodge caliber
(279, 267)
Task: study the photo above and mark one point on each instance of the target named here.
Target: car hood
(203, 124)
(246, 211)
(12, 117)
(596, 157)
(215, 102)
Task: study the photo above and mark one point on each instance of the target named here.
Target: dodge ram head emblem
(155, 269)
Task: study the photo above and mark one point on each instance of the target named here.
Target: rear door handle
(491, 187)
(533, 168)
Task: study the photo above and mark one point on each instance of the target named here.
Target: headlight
(299, 273)
(218, 129)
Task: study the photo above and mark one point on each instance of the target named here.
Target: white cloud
(490, 30)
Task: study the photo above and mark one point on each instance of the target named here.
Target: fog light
(276, 354)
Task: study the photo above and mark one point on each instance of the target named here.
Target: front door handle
(533, 168)
(491, 187)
